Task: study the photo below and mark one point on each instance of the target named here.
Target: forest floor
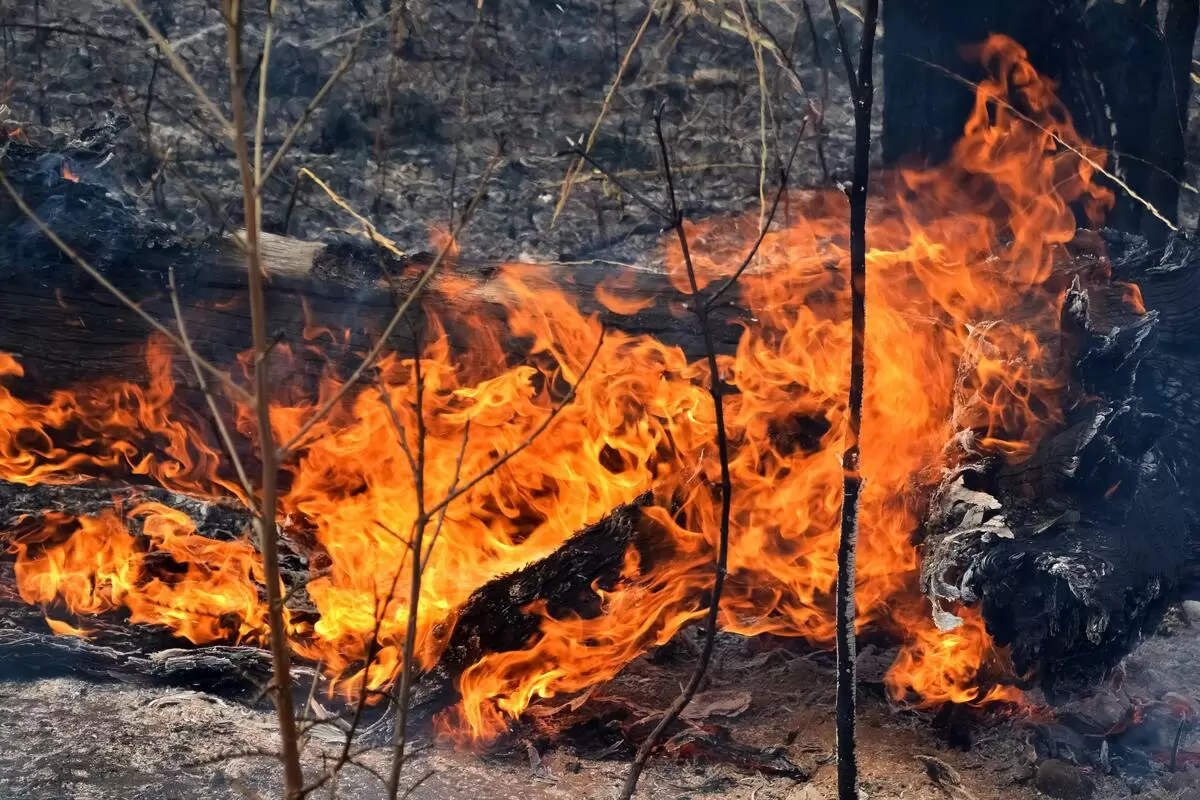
(65, 739)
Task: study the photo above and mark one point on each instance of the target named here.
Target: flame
(964, 286)
(68, 174)
(201, 589)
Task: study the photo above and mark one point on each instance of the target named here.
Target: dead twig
(504, 459)
(403, 689)
(716, 390)
(437, 531)
(312, 106)
(373, 354)
(218, 420)
(1091, 162)
(765, 227)
(824, 102)
(227, 128)
(289, 756)
(569, 180)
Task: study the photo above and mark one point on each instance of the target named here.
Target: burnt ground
(527, 77)
(524, 78)
(63, 738)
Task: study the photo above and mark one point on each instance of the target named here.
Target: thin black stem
(824, 102)
(844, 47)
(454, 494)
(852, 482)
(611, 176)
(404, 688)
(715, 390)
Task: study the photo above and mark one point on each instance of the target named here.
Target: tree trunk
(1122, 69)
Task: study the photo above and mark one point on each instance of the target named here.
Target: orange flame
(68, 174)
(963, 287)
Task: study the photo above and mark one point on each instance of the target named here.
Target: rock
(1191, 611)
(1063, 781)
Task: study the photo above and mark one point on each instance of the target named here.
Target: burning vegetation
(968, 270)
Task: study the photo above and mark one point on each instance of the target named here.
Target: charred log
(1072, 553)
(125, 653)
(65, 328)
(496, 618)
(1169, 280)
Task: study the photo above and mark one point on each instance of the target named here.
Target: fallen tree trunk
(65, 328)
(1071, 554)
(495, 618)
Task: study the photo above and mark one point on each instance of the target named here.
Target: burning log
(64, 328)
(497, 617)
(1068, 545)
(1074, 551)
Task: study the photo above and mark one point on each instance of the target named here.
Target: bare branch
(569, 180)
(716, 392)
(403, 690)
(373, 233)
(401, 435)
(1091, 162)
(766, 226)
(312, 106)
(845, 601)
(624, 187)
(260, 121)
(502, 460)
(374, 353)
(289, 757)
(180, 68)
(844, 47)
(441, 514)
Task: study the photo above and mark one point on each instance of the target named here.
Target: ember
(954, 250)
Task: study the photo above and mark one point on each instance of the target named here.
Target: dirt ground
(62, 739)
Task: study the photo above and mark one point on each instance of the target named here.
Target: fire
(962, 290)
(68, 174)
(201, 589)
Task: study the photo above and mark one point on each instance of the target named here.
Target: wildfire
(68, 174)
(962, 288)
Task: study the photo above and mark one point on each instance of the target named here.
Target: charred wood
(65, 328)
(121, 652)
(496, 618)
(1073, 552)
